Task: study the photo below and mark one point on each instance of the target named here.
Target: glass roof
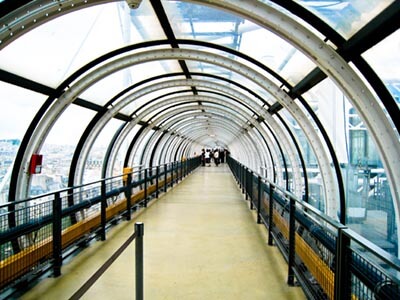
(387, 66)
(56, 49)
(105, 89)
(345, 16)
(207, 24)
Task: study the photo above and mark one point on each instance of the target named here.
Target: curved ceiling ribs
(204, 105)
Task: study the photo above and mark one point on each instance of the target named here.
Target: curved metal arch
(178, 82)
(255, 124)
(188, 127)
(288, 147)
(187, 116)
(236, 94)
(171, 118)
(194, 132)
(231, 116)
(31, 15)
(164, 150)
(243, 149)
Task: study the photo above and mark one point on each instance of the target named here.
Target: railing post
(251, 190)
(57, 228)
(157, 174)
(185, 168)
(259, 200)
(292, 246)
(139, 229)
(182, 170)
(239, 178)
(342, 268)
(145, 187)
(165, 178)
(243, 179)
(270, 214)
(103, 210)
(172, 174)
(177, 172)
(246, 183)
(128, 195)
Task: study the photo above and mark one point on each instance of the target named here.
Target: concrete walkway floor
(201, 241)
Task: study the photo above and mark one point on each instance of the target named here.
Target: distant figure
(208, 158)
(203, 157)
(222, 156)
(216, 157)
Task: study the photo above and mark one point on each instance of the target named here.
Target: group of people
(218, 155)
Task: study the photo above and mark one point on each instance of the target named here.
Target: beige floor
(201, 242)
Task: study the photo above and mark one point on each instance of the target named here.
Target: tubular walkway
(201, 241)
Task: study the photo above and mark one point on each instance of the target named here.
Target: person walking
(216, 157)
(207, 157)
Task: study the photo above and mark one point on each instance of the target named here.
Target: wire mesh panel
(264, 208)
(27, 245)
(371, 276)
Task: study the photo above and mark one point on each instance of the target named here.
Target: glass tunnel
(304, 93)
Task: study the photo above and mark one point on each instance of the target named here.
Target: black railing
(329, 260)
(50, 226)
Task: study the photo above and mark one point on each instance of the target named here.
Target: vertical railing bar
(271, 214)
(157, 174)
(165, 177)
(259, 200)
(103, 210)
(292, 246)
(145, 187)
(251, 190)
(57, 229)
(128, 196)
(139, 230)
(342, 268)
(172, 174)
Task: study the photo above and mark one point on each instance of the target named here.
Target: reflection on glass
(384, 58)
(345, 16)
(369, 204)
(94, 162)
(19, 108)
(54, 50)
(191, 21)
(316, 193)
(58, 150)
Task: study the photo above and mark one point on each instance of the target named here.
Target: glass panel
(52, 51)
(215, 70)
(138, 103)
(119, 162)
(19, 107)
(58, 150)
(95, 158)
(140, 149)
(155, 114)
(102, 91)
(384, 58)
(244, 82)
(208, 24)
(178, 117)
(316, 194)
(370, 210)
(346, 16)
